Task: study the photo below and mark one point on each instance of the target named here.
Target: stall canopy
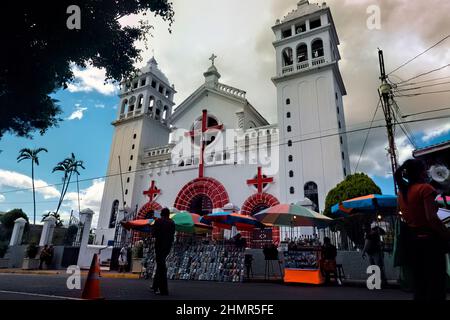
(292, 215)
(141, 225)
(373, 203)
(227, 220)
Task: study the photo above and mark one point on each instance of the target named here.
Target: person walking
(164, 232)
(43, 256)
(328, 260)
(427, 237)
(123, 259)
(374, 248)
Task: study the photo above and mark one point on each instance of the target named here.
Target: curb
(60, 272)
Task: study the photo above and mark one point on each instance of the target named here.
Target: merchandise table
(302, 265)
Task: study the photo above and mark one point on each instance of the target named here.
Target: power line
(398, 85)
(420, 87)
(421, 93)
(367, 135)
(425, 73)
(412, 59)
(225, 150)
(423, 112)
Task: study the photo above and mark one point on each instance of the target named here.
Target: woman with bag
(428, 237)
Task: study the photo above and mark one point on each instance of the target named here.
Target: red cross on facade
(152, 192)
(260, 180)
(202, 132)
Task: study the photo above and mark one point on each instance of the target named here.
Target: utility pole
(386, 96)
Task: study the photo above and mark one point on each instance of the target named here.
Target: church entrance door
(260, 237)
(201, 204)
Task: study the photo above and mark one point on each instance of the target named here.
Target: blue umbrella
(372, 203)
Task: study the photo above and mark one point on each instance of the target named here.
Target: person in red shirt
(428, 237)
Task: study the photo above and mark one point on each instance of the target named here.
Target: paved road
(51, 287)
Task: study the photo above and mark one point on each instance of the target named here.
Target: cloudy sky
(239, 33)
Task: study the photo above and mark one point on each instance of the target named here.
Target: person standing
(374, 249)
(428, 238)
(164, 232)
(328, 261)
(43, 256)
(123, 259)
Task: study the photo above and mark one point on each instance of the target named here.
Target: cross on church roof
(260, 180)
(152, 192)
(213, 57)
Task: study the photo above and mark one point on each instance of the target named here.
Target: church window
(339, 125)
(126, 191)
(289, 128)
(165, 113)
(290, 143)
(286, 33)
(336, 95)
(340, 138)
(302, 53)
(140, 101)
(128, 179)
(129, 168)
(135, 85)
(345, 172)
(154, 84)
(142, 82)
(290, 158)
(299, 28)
(124, 106)
(291, 190)
(291, 174)
(132, 147)
(343, 155)
(131, 157)
(317, 48)
(114, 212)
(134, 136)
(167, 95)
(161, 89)
(287, 57)
(313, 24)
(157, 114)
(337, 109)
(311, 192)
(288, 101)
(288, 115)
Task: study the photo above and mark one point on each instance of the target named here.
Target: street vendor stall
(301, 258)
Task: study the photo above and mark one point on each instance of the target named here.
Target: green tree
(355, 185)
(31, 154)
(59, 221)
(7, 219)
(42, 51)
(69, 167)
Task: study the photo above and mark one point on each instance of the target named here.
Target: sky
(239, 33)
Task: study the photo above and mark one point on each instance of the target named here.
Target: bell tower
(313, 148)
(143, 121)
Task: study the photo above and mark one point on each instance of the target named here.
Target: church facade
(216, 151)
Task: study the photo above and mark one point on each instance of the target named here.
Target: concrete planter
(30, 264)
(4, 262)
(136, 265)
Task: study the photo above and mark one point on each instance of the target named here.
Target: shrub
(3, 248)
(32, 251)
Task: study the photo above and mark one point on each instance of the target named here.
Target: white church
(216, 149)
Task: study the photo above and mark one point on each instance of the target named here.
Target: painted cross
(213, 57)
(202, 133)
(152, 192)
(260, 180)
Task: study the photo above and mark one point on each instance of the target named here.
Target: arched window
(289, 128)
(317, 48)
(290, 158)
(132, 102)
(288, 101)
(157, 114)
(165, 114)
(312, 193)
(113, 215)
(151, 104)
(288, 115)
(302, 53)
(291, 190)
(124, 106)
(291, 174)
(290, 143)
(287, 57)
(140, 101)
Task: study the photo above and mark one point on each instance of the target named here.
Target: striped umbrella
(292, 215)
(441, 201)
(189, 223)
(227, 220)
(372, 203)
(141, 225)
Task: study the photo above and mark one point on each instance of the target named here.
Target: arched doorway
(201, 204)
(143, 214)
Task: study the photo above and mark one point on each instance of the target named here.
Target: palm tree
(68, 166)
(59, 221)
(31, 154)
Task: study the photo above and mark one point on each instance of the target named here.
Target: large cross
(213, 57)
(202, 132)
(152, 192)
(260, 180)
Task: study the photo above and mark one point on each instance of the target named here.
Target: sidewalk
(104, 274)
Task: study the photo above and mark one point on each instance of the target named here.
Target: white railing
(302, 65)
(287, 69)
(317, 61)
(130, 114)
(231, 90)
(122, 116)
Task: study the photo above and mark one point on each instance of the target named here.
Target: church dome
(152, 67)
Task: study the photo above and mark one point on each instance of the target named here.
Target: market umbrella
(292, 215)
(441, 201)
(372, 203)
(227, 220)
(189, 223)
(141, 225)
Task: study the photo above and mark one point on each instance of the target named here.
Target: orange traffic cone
(91, 289)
